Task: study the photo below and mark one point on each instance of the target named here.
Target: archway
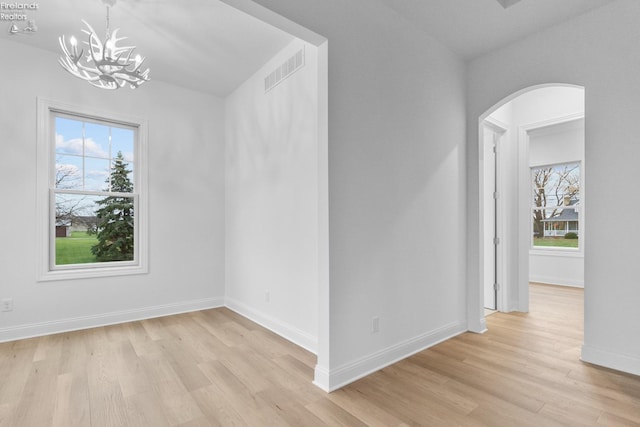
(511, 122)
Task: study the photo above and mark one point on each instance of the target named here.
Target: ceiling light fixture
(105, 65)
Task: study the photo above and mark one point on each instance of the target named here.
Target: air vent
(289, 67)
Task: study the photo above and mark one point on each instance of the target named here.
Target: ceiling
(205, 45)
(209, 46)
(474, 27)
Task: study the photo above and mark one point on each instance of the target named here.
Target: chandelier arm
(123, 61)
(101, 85)
(86, 69)
(80, 71)
(65, 50)
(131, 76)
(81, 74)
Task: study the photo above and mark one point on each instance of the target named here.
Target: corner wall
(271, 241)
(186, 185)
(577, 53)
(396, 185)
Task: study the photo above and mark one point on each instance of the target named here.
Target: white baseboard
(479, 327)
(321, 378)
(548, 280)
(13, 333)
(620, 362)
(350, 372)
(289, 332)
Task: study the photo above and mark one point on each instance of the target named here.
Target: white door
(490, 199)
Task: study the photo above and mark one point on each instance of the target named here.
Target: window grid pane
(93, 218)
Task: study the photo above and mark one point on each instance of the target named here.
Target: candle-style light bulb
(74, 46)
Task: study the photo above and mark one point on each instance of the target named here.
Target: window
(556, 205)
(91, 193)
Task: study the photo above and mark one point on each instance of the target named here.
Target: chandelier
(105, 65)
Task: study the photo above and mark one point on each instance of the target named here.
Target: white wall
(186, 186)
(562, 143)
(577, 53)
(396, 185)
(272, 199)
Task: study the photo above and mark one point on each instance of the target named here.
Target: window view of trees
(94, 192)
(115, 221)
(555, 205)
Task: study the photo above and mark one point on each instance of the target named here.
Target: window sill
(90, 273)
(559, 252)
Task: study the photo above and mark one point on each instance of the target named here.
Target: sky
(86, 161)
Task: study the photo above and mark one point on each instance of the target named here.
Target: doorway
(510, 256)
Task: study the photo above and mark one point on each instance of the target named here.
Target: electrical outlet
(375, 325)
(267, 296)
(7, 304)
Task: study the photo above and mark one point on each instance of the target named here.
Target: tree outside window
(556, 205)
(115, 218)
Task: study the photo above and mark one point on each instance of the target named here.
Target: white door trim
(524, 207)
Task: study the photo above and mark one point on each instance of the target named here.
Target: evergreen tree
(115, 217)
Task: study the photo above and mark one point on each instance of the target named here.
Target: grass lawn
(75, 249)
(558, 242)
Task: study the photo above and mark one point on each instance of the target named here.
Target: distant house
(84, 223)
(565, 222)
(63, 228)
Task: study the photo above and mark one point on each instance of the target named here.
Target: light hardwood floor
(216, 368)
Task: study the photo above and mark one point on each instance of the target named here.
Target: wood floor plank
(291, 406)
(15, 369)
(80, 403)
(333, 415)
(6, 413)
(216, 368)
(130, 370)
(511, 389)
(216, 407)
(361, 406)
(178, 406)
(63, 403)
(74, 352)
(142, 410)
(609, 419)
(185, 365)
(573, 413)
(252, 409)
(38, 391)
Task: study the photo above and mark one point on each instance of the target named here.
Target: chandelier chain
(108, 27)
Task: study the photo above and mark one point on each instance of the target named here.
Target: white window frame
(45, 204)
(540, 250)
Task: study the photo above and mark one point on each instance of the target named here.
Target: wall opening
(539, 130)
